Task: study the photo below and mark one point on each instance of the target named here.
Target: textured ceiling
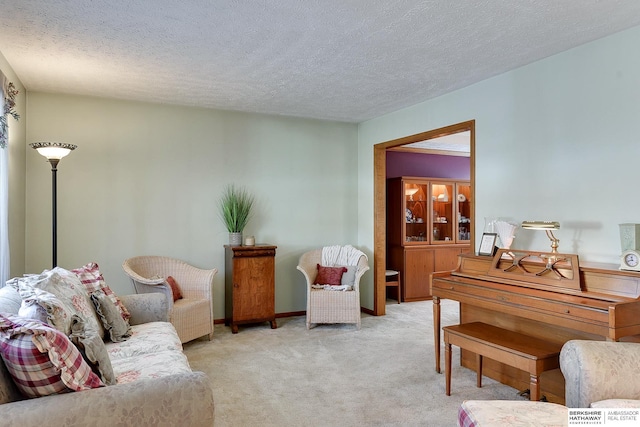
(346, 60)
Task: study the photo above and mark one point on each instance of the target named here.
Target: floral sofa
(54, 371)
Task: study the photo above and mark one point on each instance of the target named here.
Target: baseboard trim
(298, 313)
(291, 314)
(278, 315)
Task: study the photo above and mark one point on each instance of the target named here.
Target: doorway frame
(380, 200)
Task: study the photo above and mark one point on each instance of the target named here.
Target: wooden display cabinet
(249, 285)
(428, 225)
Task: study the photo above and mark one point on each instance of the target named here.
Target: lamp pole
(54, 151)
(54, 210)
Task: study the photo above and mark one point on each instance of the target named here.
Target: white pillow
(10, 299)
(349, 277)
(32, 310)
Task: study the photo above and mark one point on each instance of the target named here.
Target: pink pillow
(93, 280)
(329, 275)
(41, 359)
(175, 289)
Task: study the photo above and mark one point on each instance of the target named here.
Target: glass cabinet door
(416, 212)
(464, 212)
(444, 209)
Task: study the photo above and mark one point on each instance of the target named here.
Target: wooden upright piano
(545, 295)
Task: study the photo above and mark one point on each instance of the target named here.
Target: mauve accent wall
(400, 163)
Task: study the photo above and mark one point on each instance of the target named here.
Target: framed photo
(488, 244)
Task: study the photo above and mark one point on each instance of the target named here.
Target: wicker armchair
(329, 306)
(192, 316)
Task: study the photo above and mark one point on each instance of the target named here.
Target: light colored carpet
(334, 375)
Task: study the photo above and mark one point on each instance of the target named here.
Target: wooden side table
(249, 278)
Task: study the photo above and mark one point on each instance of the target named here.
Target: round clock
(630, 260)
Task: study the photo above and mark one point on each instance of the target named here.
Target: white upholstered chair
(192, 316)
(331, 306)
(602, 374)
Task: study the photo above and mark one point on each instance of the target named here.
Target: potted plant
(235, 210)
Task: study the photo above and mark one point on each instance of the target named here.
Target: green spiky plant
(235, 208)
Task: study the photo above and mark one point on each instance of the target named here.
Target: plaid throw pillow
(41, 360)
(93, 280)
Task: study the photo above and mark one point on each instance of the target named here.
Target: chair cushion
(329, 275)
(153, 365)
(146, 338)
(41, 359)
(153, 351)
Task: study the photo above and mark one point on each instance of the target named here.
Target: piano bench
(520, 351)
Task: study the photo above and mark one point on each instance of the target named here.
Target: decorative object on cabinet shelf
(464, 233)
(419, 238)
(235, 206)
(409, 215)
(440, 193)
(418, 210)
(548, 227)
(461, 198)
(411, 190)
(488, 244)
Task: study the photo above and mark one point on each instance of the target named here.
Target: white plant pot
(235, 239)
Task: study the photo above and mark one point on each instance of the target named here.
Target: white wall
(17, 130)
(145, 179)
(555, 140)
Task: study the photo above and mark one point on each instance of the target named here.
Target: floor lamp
(54, 151)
